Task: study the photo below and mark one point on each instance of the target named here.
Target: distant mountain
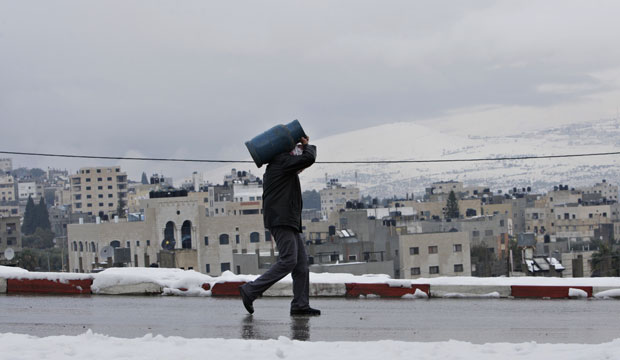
(444, 139)
(411, 141)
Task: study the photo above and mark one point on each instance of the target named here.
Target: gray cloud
(198, 78)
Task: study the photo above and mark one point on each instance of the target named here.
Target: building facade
(10, 234)
(97, 190)
(434, 254)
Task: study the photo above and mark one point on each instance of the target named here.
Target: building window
(488, 232)
(81, 246)
(99, 187)
(148, 243)
(433, 269)
(225, 267)
(267, 235)
(138, 243)
(224, 239)
(432, 249)
(457, 247)
(87, 179)
(100, 196)
(89, 196)
(99, 179)
(475, 233)
(237, 239)
(414, 251)
(109, 187)
(109, 179)
(128, 244)
(254, 237)
(208, 268)
(206, 241)
(415, 271)
(458, 268)
(110, 195)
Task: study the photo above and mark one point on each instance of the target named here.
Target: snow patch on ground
(491, 295)
(95, 346)
(419, 294)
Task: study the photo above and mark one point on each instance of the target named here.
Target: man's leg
(301, 277)
(287, 244)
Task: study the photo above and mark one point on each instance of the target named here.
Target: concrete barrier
(280, 289)
(2, 286)
(144, 288)
(383, 290)
(45, 286)
(470, 290)
(552, 292)
(226, 288)
(328, 290)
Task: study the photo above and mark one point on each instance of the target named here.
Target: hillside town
(97, 218)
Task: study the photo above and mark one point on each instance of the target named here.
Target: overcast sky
(198, 78)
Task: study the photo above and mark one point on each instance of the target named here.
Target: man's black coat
(282, 203)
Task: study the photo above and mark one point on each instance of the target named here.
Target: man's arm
(292, 163)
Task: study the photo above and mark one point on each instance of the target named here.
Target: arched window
(93, 248)
(224, 240)
(81, 246)
(75, 246)
(186, 235)
(254, 237)
(169, 231)
(115, 243)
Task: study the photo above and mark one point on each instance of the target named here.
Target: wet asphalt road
(472, 320)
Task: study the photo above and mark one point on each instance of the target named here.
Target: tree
(452, 206)
(145, 180)
(42, 216)
(605, 262)
(28, 226)
(41, 239)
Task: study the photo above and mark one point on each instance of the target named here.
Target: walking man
(282, 205)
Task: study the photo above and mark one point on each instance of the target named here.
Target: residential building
(29, 189)
(434, 254)
(8, 189)
(175, 232)
(335, 196)
(97, 190)
(10, 234)
(6, 165)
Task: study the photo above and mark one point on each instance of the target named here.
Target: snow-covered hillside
(448, 139)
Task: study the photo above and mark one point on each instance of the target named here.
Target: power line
(525, 157)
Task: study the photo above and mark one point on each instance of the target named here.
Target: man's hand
(305, 140)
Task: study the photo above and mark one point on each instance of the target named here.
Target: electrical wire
(507, 158)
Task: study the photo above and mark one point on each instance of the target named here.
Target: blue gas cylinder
(278, 139)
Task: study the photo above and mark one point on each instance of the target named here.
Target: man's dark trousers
(292, 259)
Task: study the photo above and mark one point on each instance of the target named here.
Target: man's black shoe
(307, 311)
(246, 300)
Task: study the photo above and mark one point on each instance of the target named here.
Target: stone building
(175, 232)
(334, 197)
(10, 234)
(434, 254)
(97, 190)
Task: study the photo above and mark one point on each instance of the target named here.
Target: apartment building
(97, 190)
(10, 234)
(434, 254)
(6, 165)
(29, 189)
(334, 197)
(8, 189)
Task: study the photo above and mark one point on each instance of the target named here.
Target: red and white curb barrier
(80, 284)
(47, 286)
